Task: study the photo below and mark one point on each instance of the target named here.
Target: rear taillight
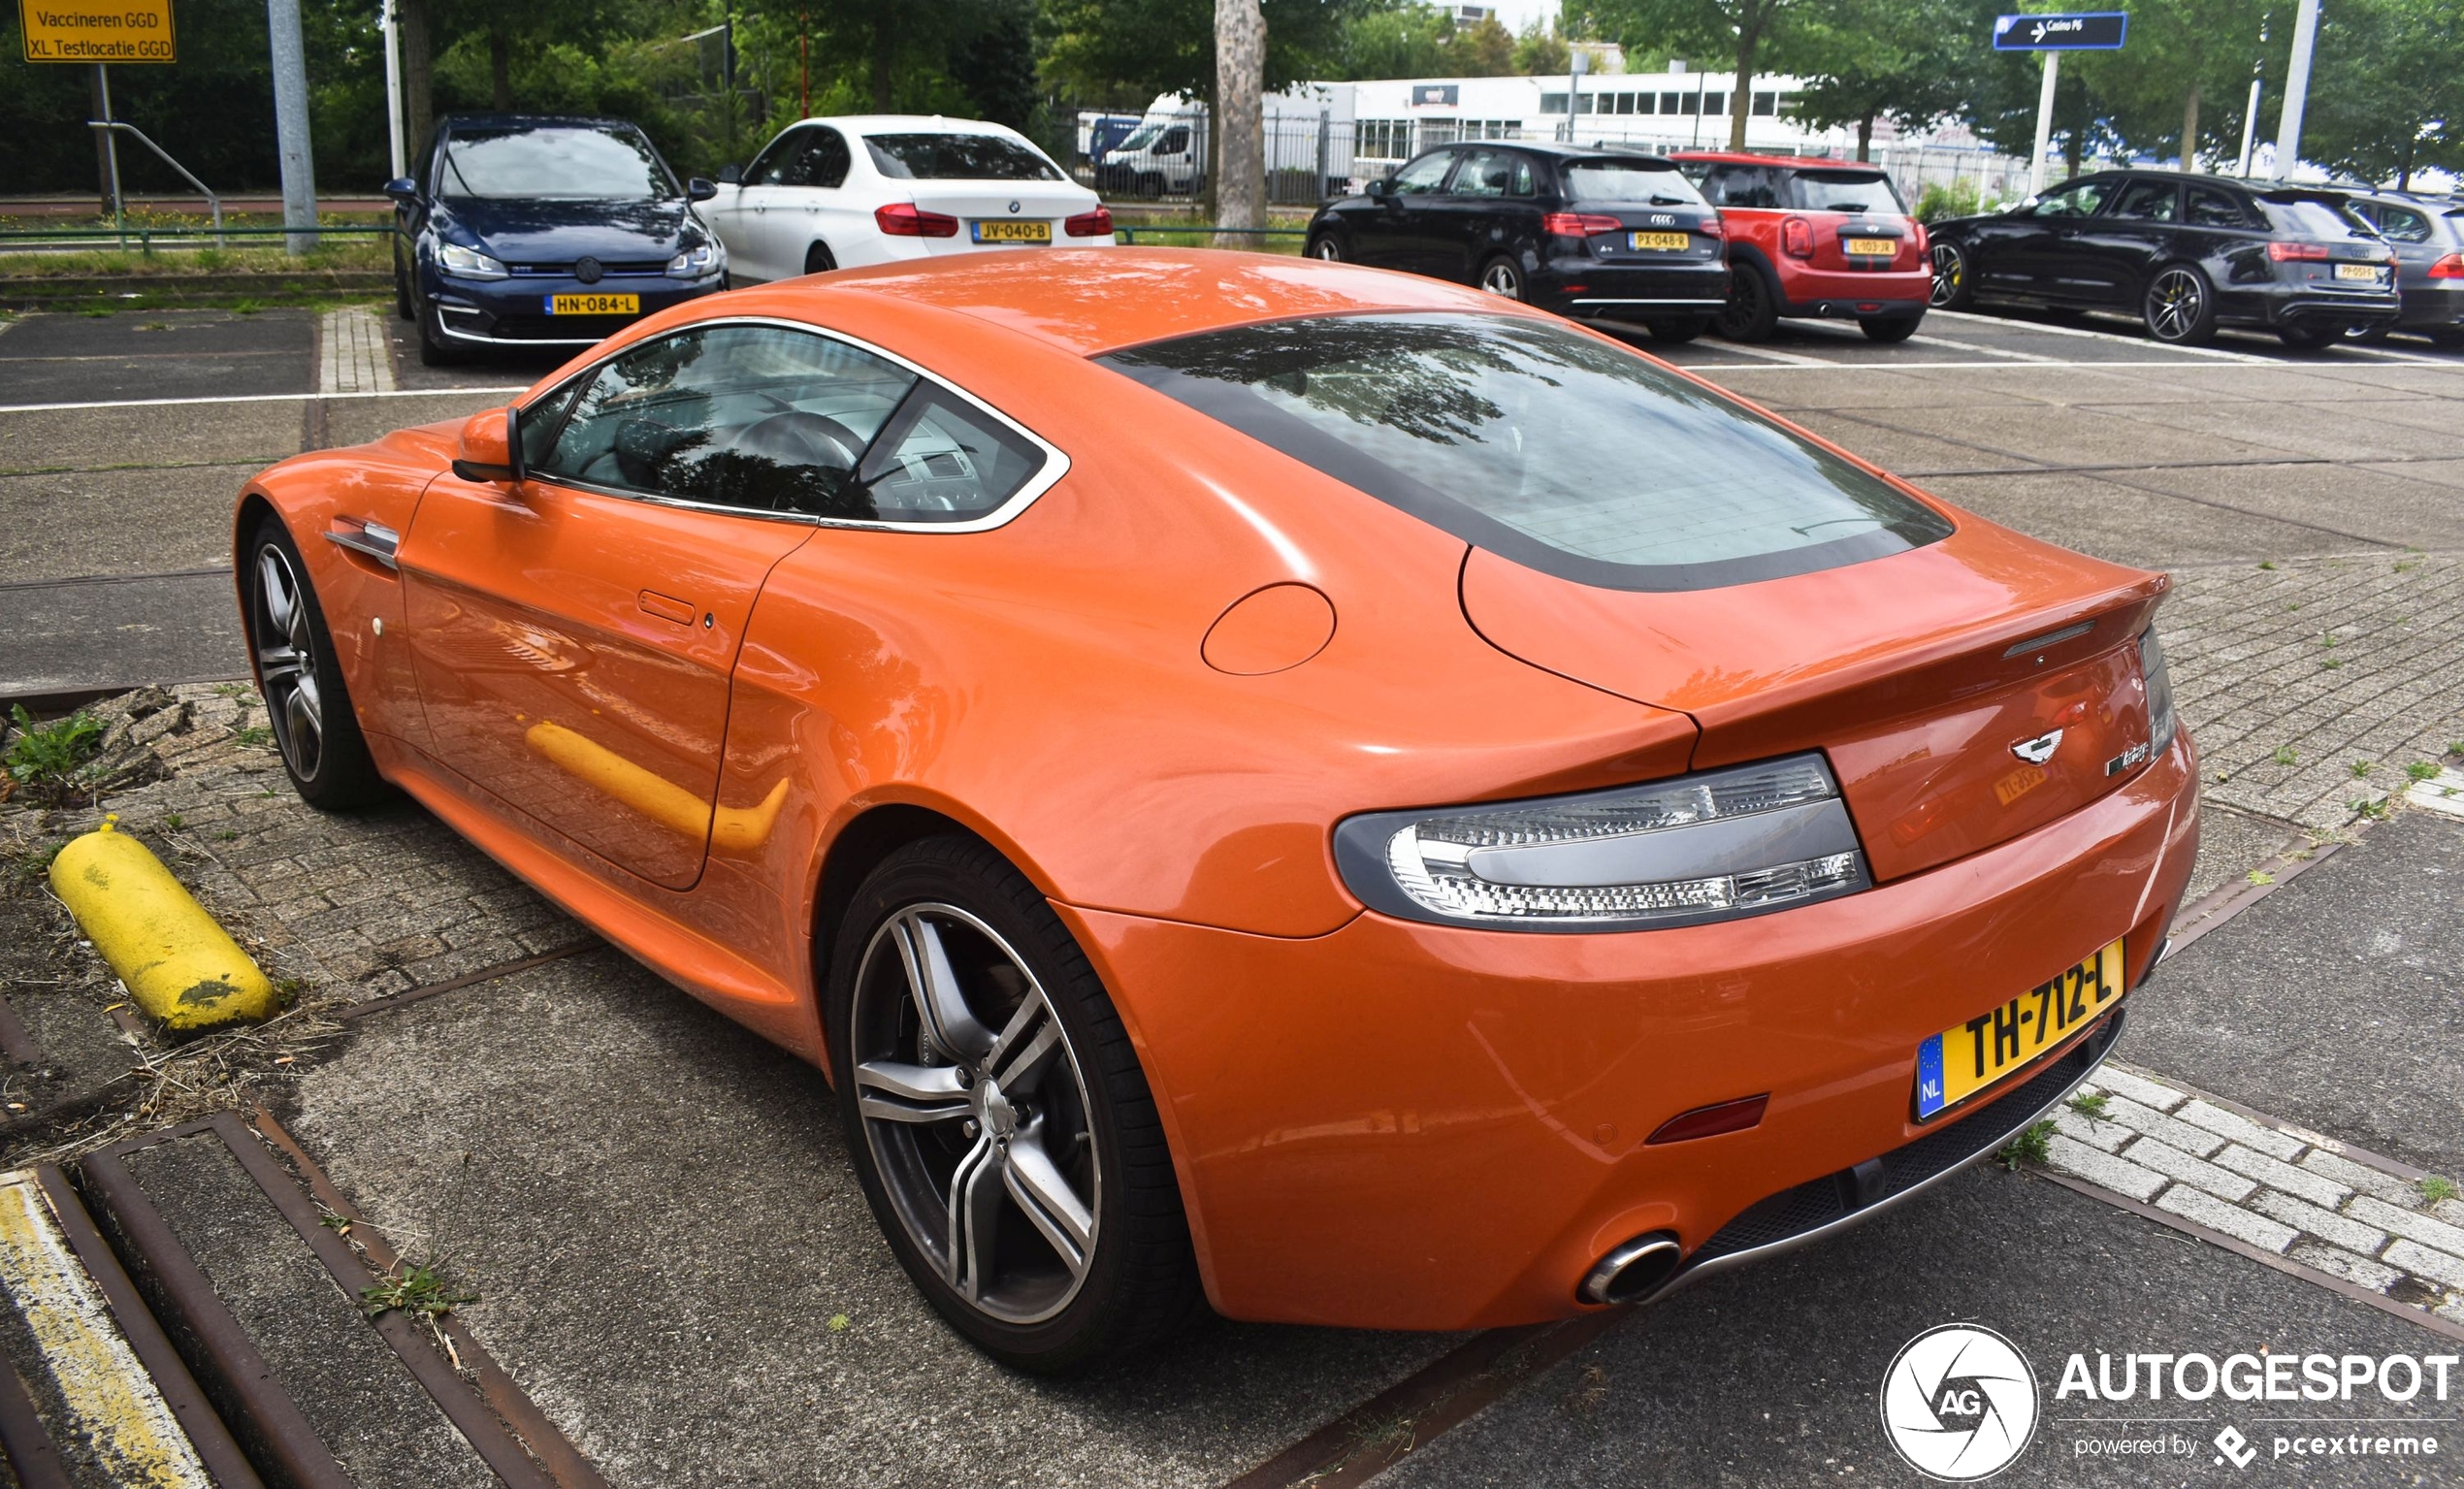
(1578, 224)
(905, 219)
(2162, 720)
(2284, 252)
(1711, 229)
(1916, 234)
(1095, 224)
(1797, 237)
(2452, 267)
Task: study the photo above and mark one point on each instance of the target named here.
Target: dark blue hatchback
(547, 230)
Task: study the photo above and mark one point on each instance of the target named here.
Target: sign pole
(110, 152)
(291, 123)
(2296, 91)
(394, 88)
(2249, 128)
(2044, 123)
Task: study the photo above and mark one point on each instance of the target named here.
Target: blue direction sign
(2071, 31)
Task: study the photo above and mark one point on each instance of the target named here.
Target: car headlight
(468, 262)
(695, 261)
(1710, 846)
(2161, 721)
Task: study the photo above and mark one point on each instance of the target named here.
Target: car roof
(533, 120)
(1086, 302)
(1793, 162)
(908, 124)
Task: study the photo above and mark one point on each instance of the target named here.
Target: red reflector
(1094, 224)
(1578, 224)
(2450, 266)
(1711, 1121)
(2280, 251)
(1576, 289)
(905, 219)
(1797, 237)
(1867, 306)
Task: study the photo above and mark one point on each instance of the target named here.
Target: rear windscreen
(1655, 183)
(1541, 444)
(2315, 217)
(958, 158)
(1844, 191)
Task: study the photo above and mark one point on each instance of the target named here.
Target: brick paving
(2300, 1195)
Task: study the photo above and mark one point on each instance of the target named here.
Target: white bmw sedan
(833, 193)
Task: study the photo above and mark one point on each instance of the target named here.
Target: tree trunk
(2404, 176)
(500, 65)
(2190, 131)
(419, 104)
(1749, 39)
(1864, 139)
(883, 43)
(1239, 117)
(2075, 149)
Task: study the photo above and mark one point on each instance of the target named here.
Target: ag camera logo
(1958, 1402)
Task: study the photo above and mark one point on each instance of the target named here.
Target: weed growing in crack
(2286, 755)
(2434, 1188)
(2421, 770)
(49, 759)
(2087, 1104)
(2362, 768)
(2029, 1148)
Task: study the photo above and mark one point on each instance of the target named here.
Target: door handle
(665, 606)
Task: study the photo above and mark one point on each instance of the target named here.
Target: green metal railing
(148, 237)
(1129, 235)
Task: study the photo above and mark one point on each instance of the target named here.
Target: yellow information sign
(97, 30)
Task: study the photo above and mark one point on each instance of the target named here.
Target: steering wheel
(799, 438)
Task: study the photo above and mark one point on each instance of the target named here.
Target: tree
(2181, 54)
(1399, 39)
(1865, 60)
(1540, 53)
(1484, 51)
(1736, 28)
(2386, 89)
(1240, 115)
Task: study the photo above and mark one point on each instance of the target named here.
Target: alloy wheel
(1950, 273)
(1325, 248)
(976, 1111)
(284, 639)
(2174, 302)
(1502, 278)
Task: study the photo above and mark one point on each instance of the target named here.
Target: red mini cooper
(1813, 237)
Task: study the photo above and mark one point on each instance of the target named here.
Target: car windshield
(1140, 137)
(1541, 444)
(958, 158)
(553, 164)
(2315, 216)
(1845, 191)
(1656, 181)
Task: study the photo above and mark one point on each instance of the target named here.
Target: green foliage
(417, 1288)
(2090, 1105)
(2029, 1148)
(50, 757)
(2434, 1188)
(1540, 53)
(2421, 770)
(2387, 91)
(1939, 203)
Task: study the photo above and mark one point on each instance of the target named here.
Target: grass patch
(2286, 755)
(2434, 1188)
(2362, 768)
(256, 736)
(416, 1289)
(2090, 1105)
(2421, 770)
(48, 760)
(2029, 1148)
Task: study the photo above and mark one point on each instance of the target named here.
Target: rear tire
(1752, 313)
(1075, 1125)
(1889, 329)
(1503, 277)
(2448, 339)
(2310, 337)
(818, 259)
(307, 705)
(2179, 308)
(1680, 330)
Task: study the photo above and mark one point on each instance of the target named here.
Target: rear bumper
(2312, 307)
(1401, 1125)
(2433, 305)
(1586, 286)
(1847, 294)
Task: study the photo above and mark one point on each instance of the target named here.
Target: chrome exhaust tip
(1634, 1271)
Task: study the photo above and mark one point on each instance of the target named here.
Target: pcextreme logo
(1958, 1402)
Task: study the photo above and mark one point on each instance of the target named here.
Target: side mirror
(700, 190)
(1380, 188)
(403, 189)
(490, 449)
(730, 176)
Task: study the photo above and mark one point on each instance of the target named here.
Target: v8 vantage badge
(1958, 1402)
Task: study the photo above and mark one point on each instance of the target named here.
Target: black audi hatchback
(1614, 233)
(2184, 253)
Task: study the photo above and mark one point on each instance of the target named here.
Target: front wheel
(818, 259)
(1889, 329)
(1323, 246)
(997, 1115)
(1951, 290)
(1503, 277)
(308, 707)
(1752, 313)
(2179, 307)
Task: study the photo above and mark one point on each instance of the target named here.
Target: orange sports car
(1277, 782)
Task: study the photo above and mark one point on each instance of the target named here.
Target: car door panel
(2112, 254)
(1398, 235)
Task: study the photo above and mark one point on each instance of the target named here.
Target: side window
(1423, 175)
(2079, 200)
(1523, 185)
(2398, 225)
(1175, 140)
(819, 160)
(1484, 174)
(1740, 186)
(944, 460)
(2214, 209)
(760, 418)
(540, 422)
(770, 166)
(2149, 201)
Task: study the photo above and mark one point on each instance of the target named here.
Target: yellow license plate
(1012, 232)
(1873, 248)
(594, 305)
(1968, 1058)
(1678, 242)
(2368, 273)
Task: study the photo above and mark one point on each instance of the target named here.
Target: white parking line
(2099, 363)
(252, 397)
(2100, 335)
(1990, 351)
(1766, 354)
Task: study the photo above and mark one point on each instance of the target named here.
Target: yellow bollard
(182, 968)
